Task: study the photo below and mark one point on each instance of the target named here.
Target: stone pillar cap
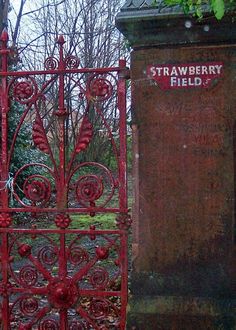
(147, 25)
(137, 6)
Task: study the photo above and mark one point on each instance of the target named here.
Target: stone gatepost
(183, 75)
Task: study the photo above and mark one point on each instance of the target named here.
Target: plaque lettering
(190, 75)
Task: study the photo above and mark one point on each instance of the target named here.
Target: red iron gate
(54, 275)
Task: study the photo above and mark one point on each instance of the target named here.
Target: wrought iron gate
(54, 275)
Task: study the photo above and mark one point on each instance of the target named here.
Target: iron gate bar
(69, 268)
(57, 71)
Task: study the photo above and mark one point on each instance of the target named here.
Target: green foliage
(23, 152)
(101, 221)
(218, 7)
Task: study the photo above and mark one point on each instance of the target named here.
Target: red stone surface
(186, 164)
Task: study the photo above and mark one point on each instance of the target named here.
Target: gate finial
(60, 40)
(4, 36)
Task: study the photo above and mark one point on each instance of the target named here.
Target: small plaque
(184, 76)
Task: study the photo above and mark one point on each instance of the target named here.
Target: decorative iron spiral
(89, 188)
(47, 255)
(49, 324)
(96, 187)
(36, 187)
(28, 306)
(99, 278)
(72, 62)
(78, 255)
(99, 308)
(28, 276)
(51, 63)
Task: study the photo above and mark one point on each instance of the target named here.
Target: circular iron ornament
(62, 221)
(123, 221)
(37, 188)
(72, 62)
(24, 250)
(77, 325)
(51, 63)
(78, 255)
(28, 306)
(48, 255)
(62, 294)
(99, 278)
(99, 308)
(100, 88)
(49, 325)
(102, 252)
(5, 220)
(25, 90)
(28, 276)
(89, 188)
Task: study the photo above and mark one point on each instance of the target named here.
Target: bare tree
(88, 26)
(90, 34)
(4, 9)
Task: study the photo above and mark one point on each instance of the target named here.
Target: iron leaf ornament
(85, 135)
(39, 136)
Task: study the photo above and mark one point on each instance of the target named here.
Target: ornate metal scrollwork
(55, 274)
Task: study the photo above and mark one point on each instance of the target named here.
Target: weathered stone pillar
(184, 109)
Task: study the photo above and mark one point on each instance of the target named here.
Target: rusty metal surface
(57, 276)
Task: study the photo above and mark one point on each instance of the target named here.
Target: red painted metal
(54, 276)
